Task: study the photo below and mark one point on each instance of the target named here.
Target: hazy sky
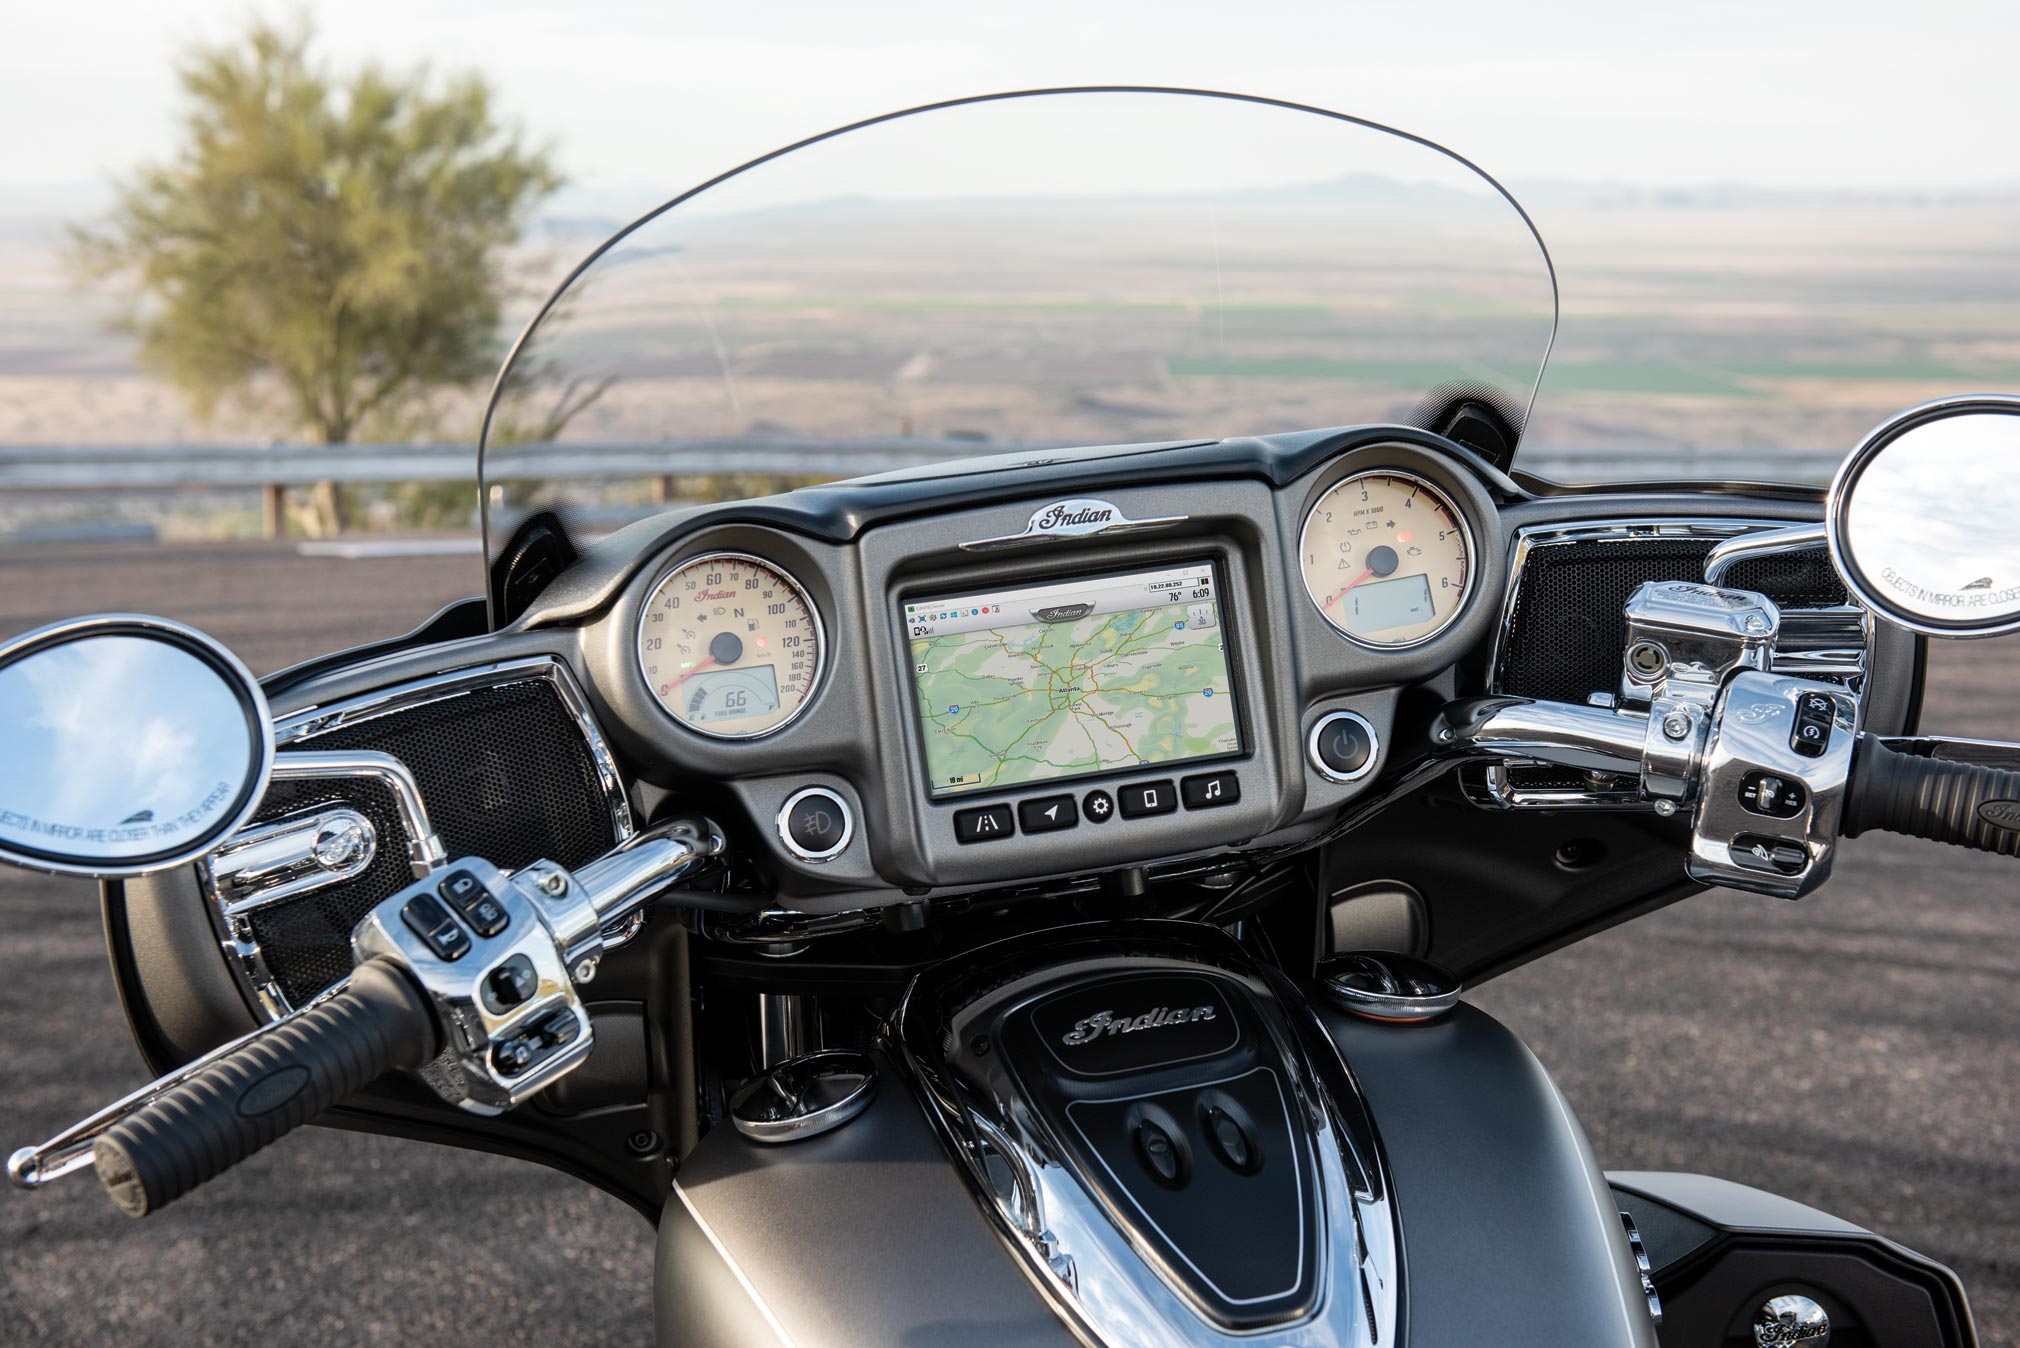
(642, 96)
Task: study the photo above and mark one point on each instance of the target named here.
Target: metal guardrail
(50, 468)
(43, 472)
(130, 468)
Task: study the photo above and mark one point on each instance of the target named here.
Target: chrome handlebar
(558, 919)
(1593, 739)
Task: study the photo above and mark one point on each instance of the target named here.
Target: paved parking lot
(1859, 1051)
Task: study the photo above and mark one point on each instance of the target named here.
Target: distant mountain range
(36, 214)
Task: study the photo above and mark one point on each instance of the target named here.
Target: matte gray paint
(867, 1236)
(1510, 1235)
(863, 1236)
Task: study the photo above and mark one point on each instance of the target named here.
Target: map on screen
(1068, 679)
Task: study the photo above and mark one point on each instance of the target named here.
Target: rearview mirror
(130, 744)
(1923, 520)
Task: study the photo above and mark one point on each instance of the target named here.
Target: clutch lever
(502, 1038)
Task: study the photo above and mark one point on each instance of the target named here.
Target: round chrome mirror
(1923, 519)
(131, 745)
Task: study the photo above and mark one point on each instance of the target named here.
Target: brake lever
(1978, 753)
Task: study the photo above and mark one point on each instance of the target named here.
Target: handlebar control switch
(1810, 736)
(507, 1002)
(1771, 784)
(1764, 793)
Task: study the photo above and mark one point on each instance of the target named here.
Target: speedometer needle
(696, 670)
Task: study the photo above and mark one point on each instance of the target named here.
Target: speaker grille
(1566, 632)
(506, 774)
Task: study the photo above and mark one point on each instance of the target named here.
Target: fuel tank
(1132, 1134)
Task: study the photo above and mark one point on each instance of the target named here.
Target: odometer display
(1387, 558)
(730, 645)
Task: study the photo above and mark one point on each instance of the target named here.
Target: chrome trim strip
(248, 962)
(296, 855)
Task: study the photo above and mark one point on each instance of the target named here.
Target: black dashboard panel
(863, 549)
(860, 737)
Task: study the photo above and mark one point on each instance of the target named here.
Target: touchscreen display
(1071, 678)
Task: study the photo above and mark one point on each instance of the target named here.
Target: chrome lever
(70, 1150)
(575, 907)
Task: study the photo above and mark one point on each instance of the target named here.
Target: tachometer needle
(1341, 593)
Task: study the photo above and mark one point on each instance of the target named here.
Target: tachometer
(730, 645)
(1387, 558)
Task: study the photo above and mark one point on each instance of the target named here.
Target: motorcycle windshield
(1052, 269)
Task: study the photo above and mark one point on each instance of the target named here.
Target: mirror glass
(1925, 519)
(130, 745)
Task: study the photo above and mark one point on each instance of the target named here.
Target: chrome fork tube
(788, 1027)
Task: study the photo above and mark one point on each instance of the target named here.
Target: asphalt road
(1859, 1051)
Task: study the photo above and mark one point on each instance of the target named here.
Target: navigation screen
(1072, 678)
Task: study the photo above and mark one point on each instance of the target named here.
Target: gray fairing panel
(864, 1236)
(1510, 1235)
(868, 1236)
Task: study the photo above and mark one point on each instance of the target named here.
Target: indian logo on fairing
(1090, 1028)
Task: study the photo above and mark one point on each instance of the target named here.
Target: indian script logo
(1090, 1028)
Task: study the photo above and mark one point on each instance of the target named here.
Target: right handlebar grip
(209, 1123)
(1965, 804)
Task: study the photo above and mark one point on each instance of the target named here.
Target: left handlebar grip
(241, 1103)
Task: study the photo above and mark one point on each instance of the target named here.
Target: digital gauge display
(1387, 558)
(730, 645)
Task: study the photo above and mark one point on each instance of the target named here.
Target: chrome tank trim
(1095, 1271)
(729, 1262)
(235, 935)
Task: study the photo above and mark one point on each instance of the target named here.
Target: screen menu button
(985, 823)
(1046, 813)
(1145, 798)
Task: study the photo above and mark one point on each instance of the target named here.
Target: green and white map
(1064, 680)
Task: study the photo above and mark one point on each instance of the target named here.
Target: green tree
(325, 248)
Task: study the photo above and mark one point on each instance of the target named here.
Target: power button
(815, 824)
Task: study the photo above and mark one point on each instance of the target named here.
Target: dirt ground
(1859, 1051)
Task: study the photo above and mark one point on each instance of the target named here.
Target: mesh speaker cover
(506, 775)
(1567, 632)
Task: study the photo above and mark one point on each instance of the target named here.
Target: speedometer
(730, 645)
(1387, 558)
